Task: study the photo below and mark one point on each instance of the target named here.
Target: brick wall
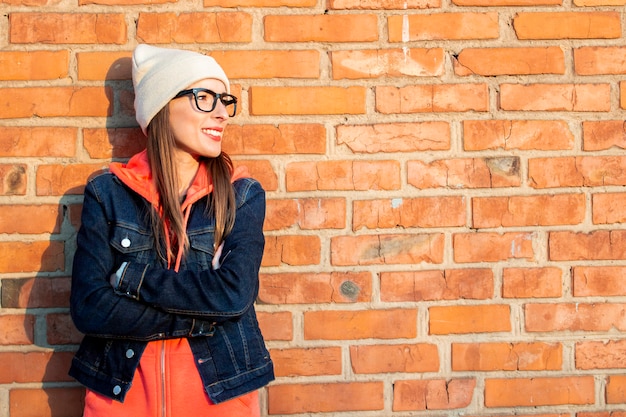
(445, 194)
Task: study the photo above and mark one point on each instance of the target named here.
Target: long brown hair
(221, 203)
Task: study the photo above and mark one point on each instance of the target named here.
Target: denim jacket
(212, 308)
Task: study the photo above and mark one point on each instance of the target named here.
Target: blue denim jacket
(212, 308)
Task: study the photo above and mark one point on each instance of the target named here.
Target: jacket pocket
(132, 243)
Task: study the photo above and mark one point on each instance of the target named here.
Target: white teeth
(212, 132)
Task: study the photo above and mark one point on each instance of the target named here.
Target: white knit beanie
(161, 73)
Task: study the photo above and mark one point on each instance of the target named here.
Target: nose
(220, 110)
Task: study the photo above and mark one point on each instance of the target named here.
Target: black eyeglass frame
(225, 98)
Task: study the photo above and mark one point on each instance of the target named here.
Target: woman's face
(196, 132)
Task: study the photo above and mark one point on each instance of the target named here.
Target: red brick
(261, 170)
(587, 317)
(292, 250)
(242, 64)
(509, 61)
(443, 26)
(64, 28)
(532, 210)
(37, 256)
(539, 391)
(545, 135)
(601, 135)
(542, 282)
(104, 65)
(199, 27)
(61, 330)
(35, 366)
(490, 172)
(444, 211)
(55, 102)
(555, 97)
(39, 292)
(307, 361)
(433, 394)
(432, 98)
(589, 171)
(609, 354)
(491, 3)
(306, 100)
(567, 25)
(321, 28)
(325, 397)
(17, 329)
(283, 139)
(123, 2)
(622, 95)
(598, 281)
(383, 5)
(492, 247)
(13, 179)
(518, 356)
(377, 63)
(594, 60)
(343, 175)
(306, 214)
(596, 245)
(276, 326)
(616, 389)
(65, 179)
(46, 402)
(360, 324)
(26, 66)
(38, 141)
(259, 3)
(395, 137)
(387, 249)
(113, 142)
(375, 359)
(608, 208)
(310, 288)
(435, 285)
(27, 219)
(467, 319)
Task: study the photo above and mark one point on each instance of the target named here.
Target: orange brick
(608, 208)
(46, 402)
(386, 249)
(123, 2)
(601, 281)
(594, 60)
(432, 98)
(259, 3)
(65, 179)
(531, 210)
(383, 5)
(375, 359)
(38, 256)
(26, 66)
(616, 389)
(282, 139)
(276, 326)
(104, 65)
(443, 26)
(586, 317)
(490, 3)
(163, 28)
(269, 64)
(13, 179)
(597, 245)
(39, 292)
(602, 135)
(395, 137)
(31, 219)
(622, 95)
(55, 102)
(61, 330)
(35, 366)
(292, 250)
(545, 135)
(38, 141)
(599, 2)
(465, 173)
(307, 361)
(590, 171)
(322, 398)
(492, 247)
(17, 329)
(539, 391)
(343, 175)
(262, 171)
(64, 28)
(113, 142)
(266, 101)
(360, 324)
(444, 211)
(310, 288)
(519, 356)
(436, 285)
(509, 61)
(321, 28)
(609, 354)
(306, 213)
(466, 319)
(387, 63)
(567, 25)
(555, 97)
(432, 394)
(532, 282)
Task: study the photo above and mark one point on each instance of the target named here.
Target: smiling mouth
(212, 132)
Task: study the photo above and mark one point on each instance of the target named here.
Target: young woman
(168, 254)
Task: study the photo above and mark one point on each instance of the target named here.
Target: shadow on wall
(47, 322)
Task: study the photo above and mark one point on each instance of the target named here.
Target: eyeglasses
(206, 100)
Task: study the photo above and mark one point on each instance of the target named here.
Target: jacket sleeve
(95, 307)
(215, 295)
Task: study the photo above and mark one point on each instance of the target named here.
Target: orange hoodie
(167, 383)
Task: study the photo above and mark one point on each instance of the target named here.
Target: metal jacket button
(130, 353)
(125, 242)
(116, 390)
